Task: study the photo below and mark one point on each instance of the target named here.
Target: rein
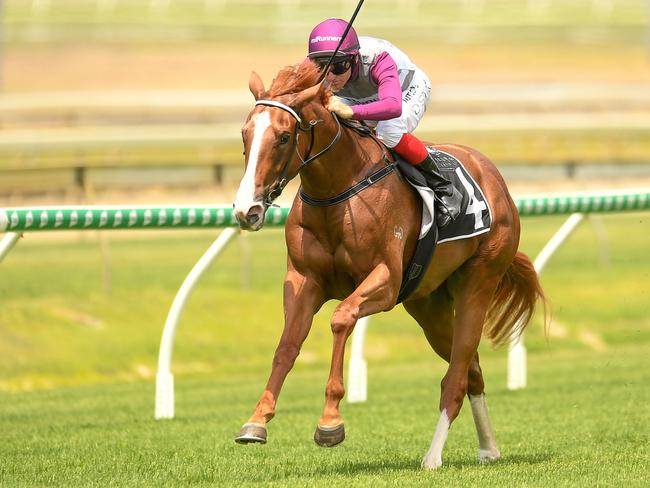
(282, 181)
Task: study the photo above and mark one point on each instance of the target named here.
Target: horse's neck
(346, 163)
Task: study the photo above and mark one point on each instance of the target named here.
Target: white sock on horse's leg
(433, 458)
(488, 450)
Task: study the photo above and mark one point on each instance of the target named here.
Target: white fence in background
(15, 221)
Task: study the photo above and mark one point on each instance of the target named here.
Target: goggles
(337, 67)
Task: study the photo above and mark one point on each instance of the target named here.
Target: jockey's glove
(336, 105)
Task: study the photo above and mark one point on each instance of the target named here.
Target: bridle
(281, 182)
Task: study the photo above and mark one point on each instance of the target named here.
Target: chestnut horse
(351, 252)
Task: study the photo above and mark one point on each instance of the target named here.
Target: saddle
(357, 126)
(475, 217)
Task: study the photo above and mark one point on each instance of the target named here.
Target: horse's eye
(284, 138)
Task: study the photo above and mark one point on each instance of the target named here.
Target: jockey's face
(339, 72)
(338, 81)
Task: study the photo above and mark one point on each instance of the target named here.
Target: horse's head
(270, 135)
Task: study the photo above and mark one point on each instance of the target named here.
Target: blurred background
(141, 101)
(106, 96)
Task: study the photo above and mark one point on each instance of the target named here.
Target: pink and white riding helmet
(326, 36)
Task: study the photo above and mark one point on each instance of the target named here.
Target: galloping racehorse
(351, 251)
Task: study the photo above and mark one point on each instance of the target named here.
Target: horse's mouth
(253, 218)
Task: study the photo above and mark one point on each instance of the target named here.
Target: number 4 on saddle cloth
(475, 215)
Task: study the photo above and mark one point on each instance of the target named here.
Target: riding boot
(448, 197)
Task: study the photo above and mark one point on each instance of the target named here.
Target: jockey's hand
(336, 105)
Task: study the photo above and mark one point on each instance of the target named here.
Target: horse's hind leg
(488, 450)
(472, 289)
(435, 314)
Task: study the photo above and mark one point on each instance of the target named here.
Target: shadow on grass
(512, 460)
(525, 459)
(371, 466)
(411, 464)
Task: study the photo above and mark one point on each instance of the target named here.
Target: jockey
(376, 82)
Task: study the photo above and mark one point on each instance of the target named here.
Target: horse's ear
(306, 96)
(256, 85)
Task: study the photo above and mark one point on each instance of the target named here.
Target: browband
(286, 108)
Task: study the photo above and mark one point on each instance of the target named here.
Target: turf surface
(582, 422)
(77, 366)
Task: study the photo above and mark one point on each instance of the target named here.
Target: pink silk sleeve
(389, 106)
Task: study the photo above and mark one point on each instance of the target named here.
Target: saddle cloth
(475, 214)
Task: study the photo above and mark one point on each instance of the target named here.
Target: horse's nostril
(254, 214)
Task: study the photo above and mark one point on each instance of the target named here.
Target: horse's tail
(514, 300)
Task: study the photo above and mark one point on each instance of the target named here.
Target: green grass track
(582, 422)
(77, 365)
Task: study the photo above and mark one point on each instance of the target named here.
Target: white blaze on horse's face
(249, 208)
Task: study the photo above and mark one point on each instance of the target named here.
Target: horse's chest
(341, 254)
(352, 260)
(344, 275)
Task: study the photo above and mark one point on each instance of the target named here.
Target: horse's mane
(294, 79)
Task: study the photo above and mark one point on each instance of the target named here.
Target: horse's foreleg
(376, 293)
(472, 298)
(302, 298)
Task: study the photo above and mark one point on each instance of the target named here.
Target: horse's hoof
(329, 436)
(251, 433)
(432, 460)
(486, 456)
(431, 464)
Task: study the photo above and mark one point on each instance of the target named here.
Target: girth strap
(350, 192)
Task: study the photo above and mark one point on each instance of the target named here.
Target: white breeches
(414, 104)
